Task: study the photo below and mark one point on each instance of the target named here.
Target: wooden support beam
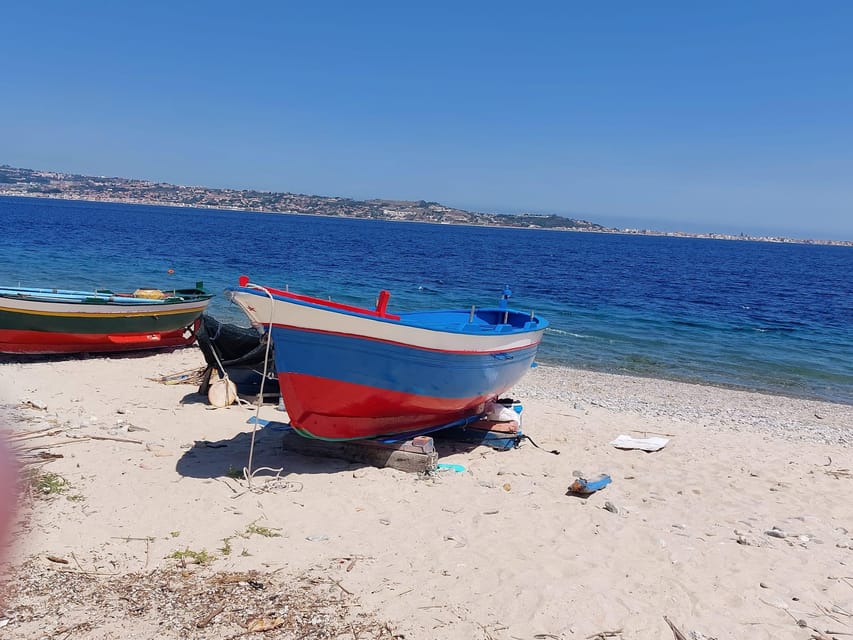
(417, 455)
(511, 427)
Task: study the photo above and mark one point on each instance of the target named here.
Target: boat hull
(43, 326)
(346, 375)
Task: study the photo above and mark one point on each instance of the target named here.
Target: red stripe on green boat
(44, 342)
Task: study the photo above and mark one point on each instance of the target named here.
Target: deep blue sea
(763, 316)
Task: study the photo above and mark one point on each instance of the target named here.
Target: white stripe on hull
(318, 319)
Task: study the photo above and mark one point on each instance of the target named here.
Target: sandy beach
(148, 530)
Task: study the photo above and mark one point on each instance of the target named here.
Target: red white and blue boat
(50, 321)
(347, 372)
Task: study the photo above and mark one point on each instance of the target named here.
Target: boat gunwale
(405, 318)
(66, 296)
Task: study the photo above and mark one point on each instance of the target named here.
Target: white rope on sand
(248, 472)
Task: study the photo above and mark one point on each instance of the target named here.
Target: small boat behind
(347, 372)
(51, 321)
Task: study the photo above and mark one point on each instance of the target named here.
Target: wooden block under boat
(511, 427)
(416, 455)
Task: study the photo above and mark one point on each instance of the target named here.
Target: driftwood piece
(208, 618)
(417, 455)
(41, 433)
(53, 444)
(678, 635)
(128, 440)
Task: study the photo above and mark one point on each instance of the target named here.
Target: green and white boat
(36, 321)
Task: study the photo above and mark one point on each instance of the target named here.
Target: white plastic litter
(500, 413)
(643, 444)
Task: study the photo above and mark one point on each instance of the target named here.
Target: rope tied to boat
(248, 472)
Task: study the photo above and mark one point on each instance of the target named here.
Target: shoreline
(497, 551)
(701, 383)
(754, 408)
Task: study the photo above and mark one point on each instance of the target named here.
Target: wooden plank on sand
(417, 455)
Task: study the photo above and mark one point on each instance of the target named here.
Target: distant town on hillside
(16, 181)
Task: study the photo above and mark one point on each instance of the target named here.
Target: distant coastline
(15, 181)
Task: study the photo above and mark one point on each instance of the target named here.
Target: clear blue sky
(724, 116)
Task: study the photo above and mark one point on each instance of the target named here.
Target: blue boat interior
(487, 320)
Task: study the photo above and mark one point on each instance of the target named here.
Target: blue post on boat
(507, 292)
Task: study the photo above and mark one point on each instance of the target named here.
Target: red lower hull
(42, 342)
(352, 411)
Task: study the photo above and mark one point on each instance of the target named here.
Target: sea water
(773, 317)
